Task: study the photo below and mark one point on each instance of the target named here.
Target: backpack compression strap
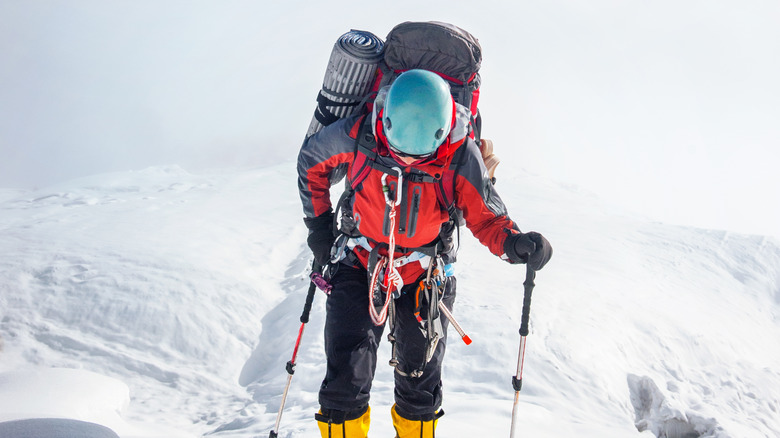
(326, 116)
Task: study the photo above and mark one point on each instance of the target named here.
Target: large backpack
(442, 48)
(362, 63)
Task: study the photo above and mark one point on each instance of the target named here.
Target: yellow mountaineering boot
(338, 424)
(420, 427)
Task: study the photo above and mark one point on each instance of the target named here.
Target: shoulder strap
(365, 153)
(445, 189)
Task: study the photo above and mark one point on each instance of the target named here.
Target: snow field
(171, 301)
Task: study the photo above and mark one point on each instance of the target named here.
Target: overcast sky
(669, 108)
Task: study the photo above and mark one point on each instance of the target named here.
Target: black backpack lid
(440, 47)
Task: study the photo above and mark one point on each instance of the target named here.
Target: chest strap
(421, 255)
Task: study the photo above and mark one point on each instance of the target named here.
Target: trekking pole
(517, 380)
(316, 269)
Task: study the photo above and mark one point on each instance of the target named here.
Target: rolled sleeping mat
(350, 75)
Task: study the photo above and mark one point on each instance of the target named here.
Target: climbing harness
(431, 290)
(386, 282)
(427, 305)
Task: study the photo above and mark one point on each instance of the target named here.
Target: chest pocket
(419, 216)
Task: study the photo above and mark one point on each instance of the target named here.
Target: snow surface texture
(54, 428)
(163, 303)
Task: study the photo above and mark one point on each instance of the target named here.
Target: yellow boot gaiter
(348, 426)
(417, 428)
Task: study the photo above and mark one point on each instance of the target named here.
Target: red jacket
(332, 153)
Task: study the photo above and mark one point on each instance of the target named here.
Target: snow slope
(165, 303)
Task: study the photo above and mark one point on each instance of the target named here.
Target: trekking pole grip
(315, 267)
(528, 287)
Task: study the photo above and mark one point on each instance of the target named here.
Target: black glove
(321, 236)
(531, 248)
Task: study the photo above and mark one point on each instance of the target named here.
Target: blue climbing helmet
(417, 115)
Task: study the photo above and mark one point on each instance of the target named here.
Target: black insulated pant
(351, 341)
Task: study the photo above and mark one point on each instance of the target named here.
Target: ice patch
(655, 413)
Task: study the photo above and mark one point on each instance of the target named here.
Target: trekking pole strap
(528, 286)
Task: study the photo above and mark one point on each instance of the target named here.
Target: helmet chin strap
(407, 161)
(382, 140)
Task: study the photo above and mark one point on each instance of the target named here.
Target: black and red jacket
(455, 175)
